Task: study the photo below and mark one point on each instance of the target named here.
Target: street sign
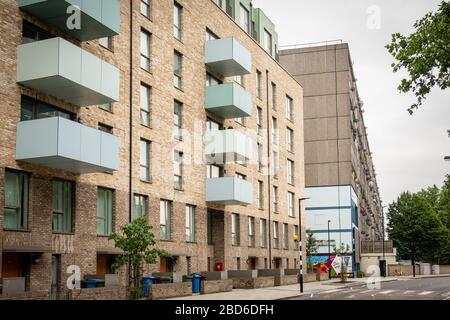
(338, 261)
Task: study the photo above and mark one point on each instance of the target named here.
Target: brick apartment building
(175, 111)
(340, 176)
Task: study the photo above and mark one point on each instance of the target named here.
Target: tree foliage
(425, 54)
(311, 244)
(136, 241)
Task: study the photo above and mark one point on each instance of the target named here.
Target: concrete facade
(36, 245)
(337, 152)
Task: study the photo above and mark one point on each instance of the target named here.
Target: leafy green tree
(311, 245)
(444, 203)
(136, 241)
(424, 54)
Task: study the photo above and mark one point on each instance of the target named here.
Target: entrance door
(251, 263)
(166, 264)
(277, 263)
(55, 278)
(10, 265)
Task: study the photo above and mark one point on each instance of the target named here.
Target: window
(145, 50)
(209, 227)
(177, 65)
(274, 96)
(145, 160)
(106, 106)
(214, 171)
(275, 235)
(210, 35)
(218, 2)
(296, 243)
(258, 84)
(139, 206)
(275, 163)
(289, 110)
(177, 108)
(267, 42)
(275, 199)
(290, 171)
(263, 233)
(291, 211)
(259, 120)
(244, 21)
(106, 42)
(32, 109)
(104, 211)
(290, 140)
(212, 125)
(260, 197)
(260, 157)
(211, 80)
(16, 201)
(251, 231)
(235, 229)
(190, 223)
(239, 80)
(62, 206)
(177, 10)
(178, 170)
(32, 33)
(145, 8)
(240, 176)
(241, 121)
(285, 236)
(145, 105)
(229, 7)
(274, 131)
(105, 128)
(165, 210)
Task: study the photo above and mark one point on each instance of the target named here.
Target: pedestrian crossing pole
(299, 238)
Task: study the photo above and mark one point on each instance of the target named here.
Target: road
(404, 289)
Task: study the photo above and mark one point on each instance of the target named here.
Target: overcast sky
(408, 151)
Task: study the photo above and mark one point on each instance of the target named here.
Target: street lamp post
(300, 240)
(384, 257)
(329, 250)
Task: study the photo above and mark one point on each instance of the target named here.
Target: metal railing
(311, 44)
(376, 246)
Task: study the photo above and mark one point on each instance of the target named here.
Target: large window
(139, 206)
(32, 109)
(190, 223)
(177, 69)
(165, 212)
(144, 150)
(275, 199)
(214, 171)
(275, 241)
(104, 211)
(145, 105)
(290, 140)
(262, 233)
(259, 116)
(235, 229)
(289, 111)
(251, 231)
(275, 163)
(177, 10)
(145, 50)
(244, 21)
(267, 42)
(290, 171)
(260, 197)
(16, 201)
(258, 84)
(32, 33)
(274, 96)
(260, 157)
(106, 42)
(177, 119)
(178, 170)
(274, 130)
(211, 80)
(291, 200)
(145, 8)
(285, 236)
(62, 206)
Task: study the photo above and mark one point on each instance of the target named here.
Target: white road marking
(409, 292)
(331, 291)
(424, 293)
(367, 291)
(387, 291)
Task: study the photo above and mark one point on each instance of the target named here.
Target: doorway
(277, 263)
(252, 263)
(166, 264)
(55, 277)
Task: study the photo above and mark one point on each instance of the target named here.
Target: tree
(311, 244)
(444, 203)
(339, 252)
(424, 54)
(415, 228)
(136, 241)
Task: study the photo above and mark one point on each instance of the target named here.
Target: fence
(377, 246)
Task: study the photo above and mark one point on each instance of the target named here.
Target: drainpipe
(130, 205)
(268, 168)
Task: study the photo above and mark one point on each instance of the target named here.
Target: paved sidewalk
(282, 292)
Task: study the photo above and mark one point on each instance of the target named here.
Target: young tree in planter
(311, 245)
(136, 241)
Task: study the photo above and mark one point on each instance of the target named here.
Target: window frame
(107, 215)
(147, 5)
(165, 210)
(290, 140)
(289, 108)
(190, 211)
(235, 230)
(66, 226)
(146, 166)
(145, 56)
(145, 91)
(143, 203)
(177, 18)
(177, 72)
(23, 197)
(251, 231)
(263, 233)
(178, 170)
(291, 204)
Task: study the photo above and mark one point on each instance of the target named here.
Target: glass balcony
(229, 191)
(223, 146)
(67, 145)
(228, 101)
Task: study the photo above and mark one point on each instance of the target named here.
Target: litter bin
(196, 282)
(146, 282)
(90, 284)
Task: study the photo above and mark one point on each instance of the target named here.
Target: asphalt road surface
(404, 289)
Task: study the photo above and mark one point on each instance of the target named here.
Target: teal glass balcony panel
(67, 145)
(224, 146)
(229, 191)
(228, 101)
(65, 71)
(228, 57)
(97, 18)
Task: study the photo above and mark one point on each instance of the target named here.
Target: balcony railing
(228, 101)
(223, 146)
(377, 246)
(229, 191)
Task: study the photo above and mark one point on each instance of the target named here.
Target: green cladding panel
(98, 18)
(65, 71)
(263, 23)
(228, 101)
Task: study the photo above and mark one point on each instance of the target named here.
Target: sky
(408, 151)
